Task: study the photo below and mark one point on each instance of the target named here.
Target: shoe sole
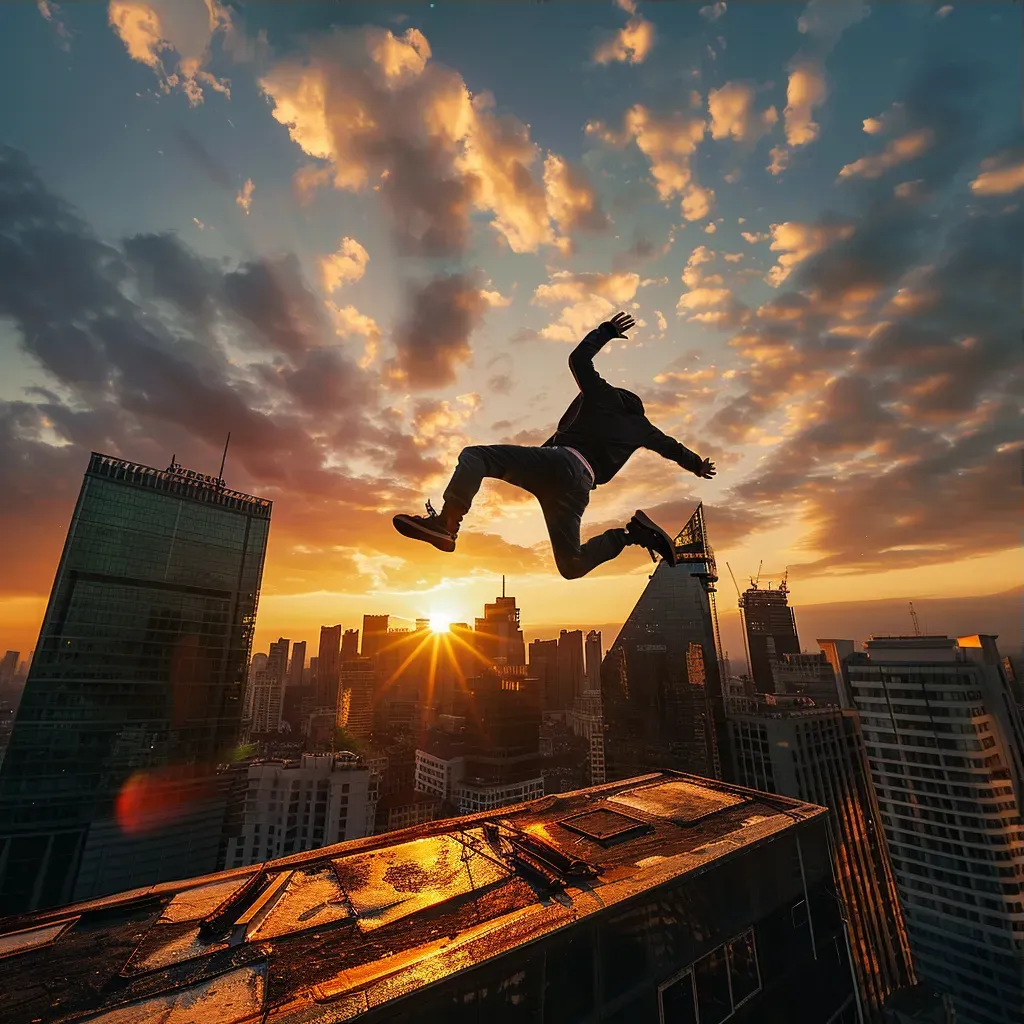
(646, 521)
(408, 527)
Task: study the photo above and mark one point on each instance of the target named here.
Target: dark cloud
(200, 156)
(166, 269)
(273, 297)
(642, 251)
(429, 204)
(432, 341)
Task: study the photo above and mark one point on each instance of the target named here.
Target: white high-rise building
(265, 706)
(302, 805)
(944, 739)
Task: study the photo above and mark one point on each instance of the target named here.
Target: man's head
(631, 402)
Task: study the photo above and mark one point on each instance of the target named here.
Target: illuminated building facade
(817, 755)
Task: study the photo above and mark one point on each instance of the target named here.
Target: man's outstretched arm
(581, 361)
(671, 449)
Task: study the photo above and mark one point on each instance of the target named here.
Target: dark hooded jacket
(606, 424)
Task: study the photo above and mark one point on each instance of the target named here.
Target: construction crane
(743, 621)
(754, 580)
(913, 616)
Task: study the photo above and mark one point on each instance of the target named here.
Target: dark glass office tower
(135, 692)
(660, 681)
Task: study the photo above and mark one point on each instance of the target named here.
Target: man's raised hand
(707, 469)
(621, 323)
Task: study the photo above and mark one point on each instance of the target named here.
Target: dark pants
(557, 479)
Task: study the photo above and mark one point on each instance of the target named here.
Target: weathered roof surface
(327, 934)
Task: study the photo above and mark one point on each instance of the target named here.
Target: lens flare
(439, 622)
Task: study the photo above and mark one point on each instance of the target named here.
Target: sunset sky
(362, 237)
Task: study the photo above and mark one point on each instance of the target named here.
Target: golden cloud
(154, 28)
(998, 178)
(805, 91)
(780, 159)
(589, 299)
(798, 241)
(732, 113)
(632, 43)
(572, 201)
(898, 151)
(244, 197)
(377, 109)
(345, 266)
(669, 143)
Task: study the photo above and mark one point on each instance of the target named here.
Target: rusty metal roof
(327, 934)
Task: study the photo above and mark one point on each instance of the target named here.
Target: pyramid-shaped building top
(661, 684)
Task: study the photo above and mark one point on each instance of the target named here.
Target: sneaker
(428, 528)
(645, 532)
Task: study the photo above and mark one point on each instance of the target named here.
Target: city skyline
(807, 208)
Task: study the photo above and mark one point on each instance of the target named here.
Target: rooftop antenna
(502, 584)
(223, 459)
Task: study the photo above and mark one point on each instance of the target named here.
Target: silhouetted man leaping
(598, 433)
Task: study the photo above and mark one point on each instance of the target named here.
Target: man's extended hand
(707, 469)
(621, 323)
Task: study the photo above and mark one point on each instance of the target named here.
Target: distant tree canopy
(344, 740)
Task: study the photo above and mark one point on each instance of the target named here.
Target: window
(711, 978)
(711, 990)
(678, 1001)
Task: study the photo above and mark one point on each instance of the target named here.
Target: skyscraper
(944, 742)
(770, 628)
(9, 667)
(297, 667)
(594, 655)
(375, 633)
(498, 636)
(817, 755)
(661, 691)
(570, 667)
(265, 699)
(350, 645)
(277, 671)
(544, 668)
(135, 691)
(328, 666)
(355, 696)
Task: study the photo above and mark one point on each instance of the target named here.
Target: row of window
(715, 987)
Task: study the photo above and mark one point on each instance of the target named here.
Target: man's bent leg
(563, 513)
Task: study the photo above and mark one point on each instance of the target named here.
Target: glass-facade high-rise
(945, 743)
(135, 692)
(817, 754)
(660, 680)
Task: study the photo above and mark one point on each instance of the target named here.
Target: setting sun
(439, 622)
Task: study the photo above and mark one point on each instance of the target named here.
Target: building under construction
(769, 630)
